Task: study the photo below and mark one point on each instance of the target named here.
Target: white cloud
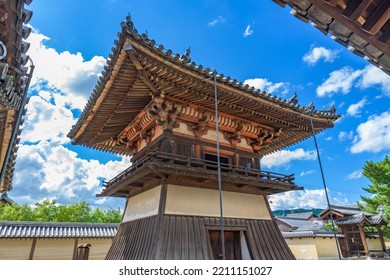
(46, 121)
(308, 172)
(344, 136)
(267, 86)
(329, 138)
(248, 31)
(344, 79)
(339, 80)
(317, 53)
(354, 175)
(303, 199)
(67, 72)
(373, 135)
(59, 172)
(45, 168)
(284, 157)
(373, 76)
(355, 109)
(216, 21)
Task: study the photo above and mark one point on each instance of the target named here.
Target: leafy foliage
(50, 211)
(378, 173)
(329, 226)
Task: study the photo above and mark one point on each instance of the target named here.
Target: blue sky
(256, 42)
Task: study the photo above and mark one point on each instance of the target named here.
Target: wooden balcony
(158, 166)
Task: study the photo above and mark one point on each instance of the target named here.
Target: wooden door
(232, 245)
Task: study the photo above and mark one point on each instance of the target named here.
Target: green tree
(378, 173)
(51, 211)
(45, 211)
(16, 213)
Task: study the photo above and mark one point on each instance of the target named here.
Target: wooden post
(198, 151)
(83, 251)
(34, 243)
(76, 244)
(363, 237)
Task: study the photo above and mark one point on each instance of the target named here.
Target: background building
(15, 78)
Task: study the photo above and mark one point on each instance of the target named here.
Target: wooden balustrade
(198, 165)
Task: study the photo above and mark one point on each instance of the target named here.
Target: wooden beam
(355, 8)
(353, 26)
(333, 2)
(378, 17)
(385, 37)
(142, 72)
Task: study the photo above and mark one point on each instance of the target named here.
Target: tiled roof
(5, 197)
(56, 230)
(354, 219)
(300, 224)
(346, 210)
(359, 218)
(186, 63)
(310, 233)
(305, 215)
(375, 220)
(181, 71)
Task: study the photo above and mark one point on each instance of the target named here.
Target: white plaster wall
(374, 244)
(243, 144)
(142, 205)
(303, 249)
(204, 202)
(211, 135)
(15, 249)
(183, 129)
(99, 247)
(54, 249)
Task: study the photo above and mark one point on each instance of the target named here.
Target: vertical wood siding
(187, 238)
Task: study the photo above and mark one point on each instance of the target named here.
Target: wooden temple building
(362, 26)
(159, 108)
(357, 241)
(15, 77)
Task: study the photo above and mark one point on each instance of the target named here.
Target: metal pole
(17, 122)
(325, 188)
(219, 166)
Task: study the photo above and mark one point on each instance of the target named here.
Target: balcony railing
(199, 165)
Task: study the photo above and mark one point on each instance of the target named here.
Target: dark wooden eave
(363, 26)
(139, 70)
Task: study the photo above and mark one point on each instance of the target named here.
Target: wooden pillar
(198, 151)
(346, 251)
(157, 243)
(34, 243)
(380, 233)
(236, 162)
(363, 237)
(75, 246)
